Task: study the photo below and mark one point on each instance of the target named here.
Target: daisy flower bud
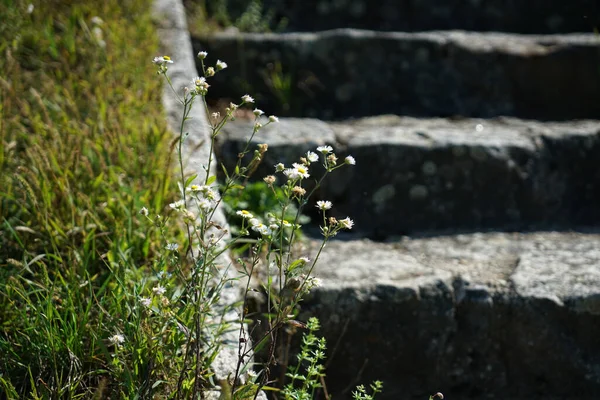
(312, 157)
(279, 167)
(269, 180)
(298, 191)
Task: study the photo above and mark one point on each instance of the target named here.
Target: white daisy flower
(146, 301)
(172, 246)
(254, 221)
(312, 157)
(350, 160)
(314, 282)
(178, 205)
(117, 339)
(162, 60)
(325, 149)
(298, 172)
(205, 205)
(199, 80)
(245, 214)
(346, 223)
(262, 229)
(159, 290)
(324, 205)
(247, 98)
(206, 191)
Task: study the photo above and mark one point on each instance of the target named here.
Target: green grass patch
(83, 146)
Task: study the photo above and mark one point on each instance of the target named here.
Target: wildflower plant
(185, 313)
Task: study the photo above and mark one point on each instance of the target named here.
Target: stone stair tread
(559, 266)
(454, 131)
(408, 130)
(351, 73)
(467, 38)
(481, 315)
(417, 175)
(288, 131)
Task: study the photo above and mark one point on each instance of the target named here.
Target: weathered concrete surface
(351, 73)
(537, 16)
(498, 315)
(415, 175)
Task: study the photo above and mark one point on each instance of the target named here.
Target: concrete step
(478, 316)
(536, 16)
(352, 73)
(416, 175)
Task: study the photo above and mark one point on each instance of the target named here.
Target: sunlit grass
(83, 146)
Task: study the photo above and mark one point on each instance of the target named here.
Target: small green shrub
(246, 15)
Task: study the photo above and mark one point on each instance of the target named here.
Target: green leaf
(271, 388)
(155, 384)
(224, 170)
(190, 180)
(261, 344)
(211, 179)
